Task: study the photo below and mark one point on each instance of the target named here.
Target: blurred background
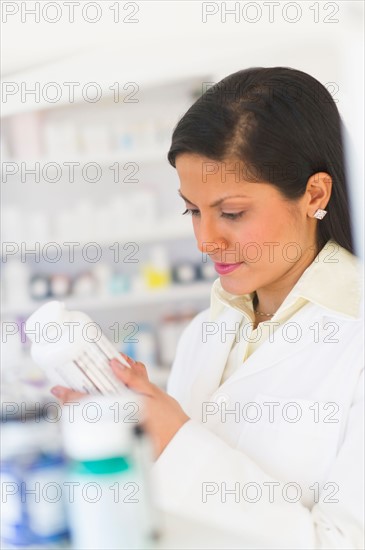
(90, 96)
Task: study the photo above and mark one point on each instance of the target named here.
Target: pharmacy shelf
(165, 230)
(173, 293)
(179, 79)
(155, 155)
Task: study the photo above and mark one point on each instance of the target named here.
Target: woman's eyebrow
(216, 203)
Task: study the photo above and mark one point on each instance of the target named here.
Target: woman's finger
(65, 394)
(128, 359)
(132, 378)
(141, 369)
(136, 365)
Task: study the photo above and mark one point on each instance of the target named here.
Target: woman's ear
(319, 188)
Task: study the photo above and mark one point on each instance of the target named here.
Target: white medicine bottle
(105, 507)
(72, 350)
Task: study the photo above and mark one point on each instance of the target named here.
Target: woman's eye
(228, 215)
(192, 212)
(231, 216)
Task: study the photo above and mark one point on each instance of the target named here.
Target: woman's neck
(269, 299)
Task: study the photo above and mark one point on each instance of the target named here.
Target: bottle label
(90, 371)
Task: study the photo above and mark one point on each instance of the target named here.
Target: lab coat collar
(333, 281)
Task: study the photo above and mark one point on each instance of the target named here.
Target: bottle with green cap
(105, 504)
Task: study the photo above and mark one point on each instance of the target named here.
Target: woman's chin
(235, 287)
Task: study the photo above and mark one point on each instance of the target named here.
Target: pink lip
(222, 269)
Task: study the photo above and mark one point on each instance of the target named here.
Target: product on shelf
(15, 281)
(185, 273)
(39, 287)
(207, 271)
(142, 210)
(37, 226)
(84, 284)
(108, 453)
(13, 224)
(60, 285)
(25, 135)
(142, 346)
(123, 138)
(102, 273)
(32, 460)
(95, 139)
(157, 272)
(83, 214)
(119, 283)
(61, 138)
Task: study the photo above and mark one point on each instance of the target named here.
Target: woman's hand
(163, 416)
(65, 394)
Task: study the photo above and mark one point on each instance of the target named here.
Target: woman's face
(256, 240)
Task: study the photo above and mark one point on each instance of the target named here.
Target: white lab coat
(320, 454)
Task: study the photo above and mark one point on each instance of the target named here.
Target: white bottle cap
(159, 257)
(50, 311)
(100, 427)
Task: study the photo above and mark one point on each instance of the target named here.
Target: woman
(261, 428)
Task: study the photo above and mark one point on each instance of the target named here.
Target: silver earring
(319, 214)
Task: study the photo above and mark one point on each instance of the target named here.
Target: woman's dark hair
(284, 126)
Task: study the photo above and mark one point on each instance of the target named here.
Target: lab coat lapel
(283, 346)
(212, 358)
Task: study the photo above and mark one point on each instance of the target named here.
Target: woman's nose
(209, 240)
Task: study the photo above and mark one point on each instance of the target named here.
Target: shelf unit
(173, 293)
(159, 102)
(150, 156)
(166, 230)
